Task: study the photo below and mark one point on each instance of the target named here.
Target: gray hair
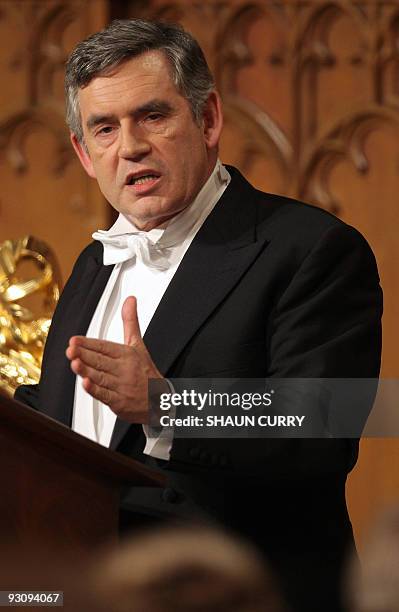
(127, 38)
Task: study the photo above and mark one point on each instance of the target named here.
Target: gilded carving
(22, 331)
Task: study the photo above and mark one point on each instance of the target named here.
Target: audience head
(184, 570)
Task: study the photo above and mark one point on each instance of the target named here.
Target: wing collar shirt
(144, 265)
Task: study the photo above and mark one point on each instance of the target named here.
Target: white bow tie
(126, 246)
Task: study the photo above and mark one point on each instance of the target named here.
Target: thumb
(131, 327)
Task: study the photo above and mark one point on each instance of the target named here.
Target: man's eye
(107, 129)
(154, 117)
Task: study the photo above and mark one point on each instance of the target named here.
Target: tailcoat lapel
(75, 313)
(220, 254)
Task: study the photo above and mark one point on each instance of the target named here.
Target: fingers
(105, 347)
(117, 402)
(100, 378)
(106, 396)
(116, 374)
(131, 327)
(92, 358)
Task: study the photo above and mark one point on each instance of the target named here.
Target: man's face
(143, 146)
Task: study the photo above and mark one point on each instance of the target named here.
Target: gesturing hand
(116, 374)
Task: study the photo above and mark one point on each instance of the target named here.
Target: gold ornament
(24, 326)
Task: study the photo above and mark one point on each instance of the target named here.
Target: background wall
(43, 189)
(311, 95)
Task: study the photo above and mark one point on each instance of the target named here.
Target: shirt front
(136, 276)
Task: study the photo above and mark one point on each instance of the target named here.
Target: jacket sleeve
(328, 320)
(29, 395)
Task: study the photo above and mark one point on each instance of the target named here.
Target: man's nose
(133, 143)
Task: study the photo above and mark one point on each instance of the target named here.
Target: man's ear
(83, 155)
(212, 120)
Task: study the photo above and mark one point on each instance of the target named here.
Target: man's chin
(148, 213)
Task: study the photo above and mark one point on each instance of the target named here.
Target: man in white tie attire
(203, 276)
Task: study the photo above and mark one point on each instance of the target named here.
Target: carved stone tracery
(38, 170)
(40, 58)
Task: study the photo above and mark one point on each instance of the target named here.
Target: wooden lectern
(58, 490)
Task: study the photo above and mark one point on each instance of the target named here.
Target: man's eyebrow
(153, 106)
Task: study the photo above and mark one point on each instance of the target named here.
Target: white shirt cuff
(159, 441)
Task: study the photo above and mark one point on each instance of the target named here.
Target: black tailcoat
(269, 287)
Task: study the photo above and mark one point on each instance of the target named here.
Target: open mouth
(141, 180)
